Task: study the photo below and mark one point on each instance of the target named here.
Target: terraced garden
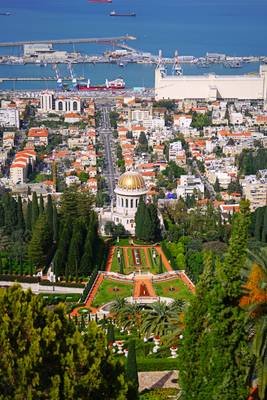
(109, 290)
(173, 288)
(135, 259)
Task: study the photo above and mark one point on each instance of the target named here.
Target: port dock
(102, 40)
(38, 79)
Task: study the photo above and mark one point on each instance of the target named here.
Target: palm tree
(117, 309)
(132, 316)
(160, 319)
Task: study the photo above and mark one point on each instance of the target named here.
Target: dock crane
(161, 65)
(59, 80)
(176, 68)
(73, 79)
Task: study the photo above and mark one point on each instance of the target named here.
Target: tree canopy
(44, 355)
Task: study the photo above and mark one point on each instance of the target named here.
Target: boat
(116, 14)
(6, 14)
(100, 1)
(117, 84)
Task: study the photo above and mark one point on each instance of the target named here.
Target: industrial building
(211, 87)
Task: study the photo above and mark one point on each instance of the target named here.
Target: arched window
(75, 106)
(127, 205)
(60, 106)
(136, 203)
(122, 202)
(131, 203)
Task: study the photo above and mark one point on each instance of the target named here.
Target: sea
(193, 27)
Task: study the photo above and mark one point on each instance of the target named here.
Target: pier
(103, 40)
(38, 79)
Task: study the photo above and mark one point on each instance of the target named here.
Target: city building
(189, 185)
(211, 87)
(38, 136)
(9, 118)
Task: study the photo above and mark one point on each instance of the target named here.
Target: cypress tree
(147, 228)
(49, 211)
(259, 223)
(40, 242)
(139, 218)
(2, 215)
(75, 251)
(41, 204)
(21, 222)
(155, 222)
(131, 369)
(110, 333)
(264, 228)
(55, 223)
(29, 216)
(35, 209)
(60, 259)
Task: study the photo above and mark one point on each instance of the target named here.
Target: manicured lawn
(153, 266)
(180, 290)
(109, 290)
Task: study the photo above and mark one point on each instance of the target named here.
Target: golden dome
(131, 181)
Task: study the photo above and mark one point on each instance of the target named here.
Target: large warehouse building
(211, 87)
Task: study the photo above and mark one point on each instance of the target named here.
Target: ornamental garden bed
(109, 290)
(174, 288)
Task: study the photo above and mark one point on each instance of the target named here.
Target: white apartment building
(255, 190)
(9, 118)
(48, 103)
(174, 148)
(189, 185)
(182, 121)
(236, 118)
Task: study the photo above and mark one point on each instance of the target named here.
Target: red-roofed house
(38, 136)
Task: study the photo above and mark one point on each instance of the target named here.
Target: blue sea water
(194, 27)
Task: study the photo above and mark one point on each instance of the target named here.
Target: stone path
(157, 379)
(138, 281)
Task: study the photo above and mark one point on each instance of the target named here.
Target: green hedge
(19, 278)
(157, 364)
(159, 394)
(62, 284)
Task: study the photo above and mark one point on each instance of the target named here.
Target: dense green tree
(29, 216)
(40, 242)
(215, 347)
(41, 204)
(139, 218)
(20, 216)
(60, 258)
(35, 209)
(75, 204)
(258, 229)
(49, 211)
(264, 227)
(75, 249)
(55, 223)
(44, 356)
(154, 222)
(132, 373)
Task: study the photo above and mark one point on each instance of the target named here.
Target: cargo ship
(117, 84)
(100, 1)
(116, 14)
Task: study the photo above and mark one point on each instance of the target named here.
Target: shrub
(19, 278)
(156, 364)
(159, 394)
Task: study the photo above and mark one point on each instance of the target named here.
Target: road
(105, 131)
(205, 181)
